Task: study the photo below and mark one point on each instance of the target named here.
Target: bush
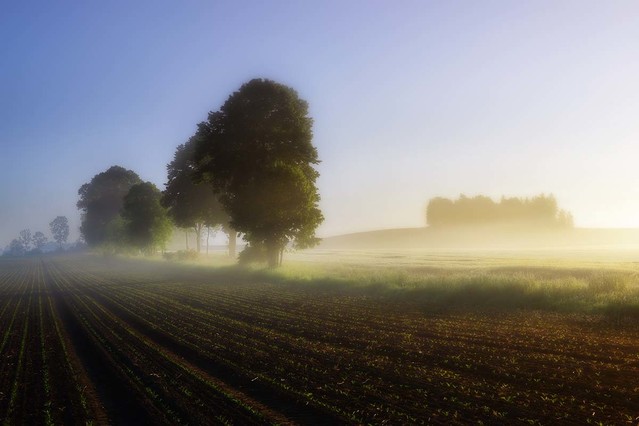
(169, 256)
(181, 255)
(187, 255)
(253, 254)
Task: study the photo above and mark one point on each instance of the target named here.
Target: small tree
(60, 230)
(39, 240)
(257, 152)
(147, 225)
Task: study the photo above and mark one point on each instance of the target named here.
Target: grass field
(376, 337)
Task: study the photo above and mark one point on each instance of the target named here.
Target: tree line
(248, 169)
(541, 210)
(28, 244)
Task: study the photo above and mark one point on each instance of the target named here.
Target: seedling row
(183, 346)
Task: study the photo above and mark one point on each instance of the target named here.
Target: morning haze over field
(284, 212)
(409, 103)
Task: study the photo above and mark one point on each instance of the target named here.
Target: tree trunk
(232, 242)
(186, 236)
(273, 253)
(198, 236)
(281, 256)
(208, 234)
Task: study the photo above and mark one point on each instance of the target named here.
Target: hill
(485, 238)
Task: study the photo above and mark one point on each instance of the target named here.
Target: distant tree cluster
(248, 169)
(119, 212)
(101, 201)
(31, 244)
(541, 211)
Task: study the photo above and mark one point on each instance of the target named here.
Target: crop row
(88, 342)
(41, 381)
(320, 349)
(167, 388)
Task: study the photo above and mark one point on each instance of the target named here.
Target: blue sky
(411, 99)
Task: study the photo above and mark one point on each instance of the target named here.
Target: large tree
(258, 154)
(60, 230)
(190, 204)
(146, 223)
(101, 201)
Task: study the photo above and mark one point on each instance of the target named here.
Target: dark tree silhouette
(258, 154)
(191, 204)
(101, 201)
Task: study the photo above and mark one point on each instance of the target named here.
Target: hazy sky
(411, 99)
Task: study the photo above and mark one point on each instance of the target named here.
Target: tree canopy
(192, 204)
(101, 201)
(257, 153)
(146, 223)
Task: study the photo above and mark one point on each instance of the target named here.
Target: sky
(410, 100)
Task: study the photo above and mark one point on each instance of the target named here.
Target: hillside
(484, 238)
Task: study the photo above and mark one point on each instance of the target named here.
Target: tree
(25, 239)
(39, 240)
(101, 201)
(146, 222)
(191, 204)
(257, 153)
(438, 211)
(60, 230)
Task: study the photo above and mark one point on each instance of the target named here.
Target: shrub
(181, 255)
(169, 256)
(254, 253)
(187, 255)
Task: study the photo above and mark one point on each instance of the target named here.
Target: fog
(409, 102)
(551, 242)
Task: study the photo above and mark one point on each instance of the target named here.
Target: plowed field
(84, 339)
